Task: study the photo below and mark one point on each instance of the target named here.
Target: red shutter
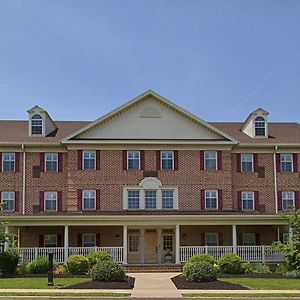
(59, 240)
(240, 239)
(42, 162)
(98, 239)
(281, 237)
(79, 159)
(60, 162)
(202, 199)
(0, 161)
(239, 200)
(41, 201)
(219, 161)
(59, 200)
(220, 200)
(79, 200)
(79, 240)
(142, 154)
(203, 238)
(41, 240)
(256, 200)
(238, 162)
(124, 155)
(17, 166)
(220, 239)
(158, 160)
(17, 201)
(295, 162)
(97, 199)
(201, 160)
(255, 162)
(297, 204)
(175, 159)
(257, 239)
(97, 159)
(279, 200)
(278, 169)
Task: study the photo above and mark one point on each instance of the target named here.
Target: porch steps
(153, 268)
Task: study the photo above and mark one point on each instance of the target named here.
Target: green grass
(272, 295)
(266, 283)
(77, 295)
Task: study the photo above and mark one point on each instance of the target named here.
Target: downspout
(275, 179)
(24, 180)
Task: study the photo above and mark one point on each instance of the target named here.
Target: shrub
(107, 270)
(9, 260)
(247, 267)
(98, 256)
(77, 264)
(38, 266)
(230, 263)
(281, 269)
(22, 269)
(293, 274)
(201, 271)
(261, 268)
(60, 270)
(202, 257)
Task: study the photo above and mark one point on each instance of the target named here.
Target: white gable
(150, 118)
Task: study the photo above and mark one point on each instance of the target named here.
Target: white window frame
(83, 158)
(31, 124)
(284, 193)
(253, 201)
(45, 200)
(216, 159)
(149, 208)
(260, 121)
(51, 153)
(161, 159)
(246, 161)
(210, 191)
(171, 235)
(133, 190)
(215, 234)
(283, 155)
(10, 160)
(83, 206)
(166, 190)
(84, 235)
(3, 199)
(53, 236)
(133, 151)
(245, 234)
(135, 235)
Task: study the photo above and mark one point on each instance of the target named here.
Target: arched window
(260, 126)
(36, 124)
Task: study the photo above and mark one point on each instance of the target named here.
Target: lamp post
(50, 269)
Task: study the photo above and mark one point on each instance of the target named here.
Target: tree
(4, 238)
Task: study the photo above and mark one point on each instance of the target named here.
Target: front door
(150, 246)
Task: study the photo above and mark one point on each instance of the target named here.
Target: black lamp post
(50, 269)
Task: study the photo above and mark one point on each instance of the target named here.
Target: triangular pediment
(149, 117)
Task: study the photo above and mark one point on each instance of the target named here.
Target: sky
(220, 60)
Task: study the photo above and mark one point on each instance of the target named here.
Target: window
(8, 162)
(150, 199)
(51, 162)
(168, 242)
(247, 201)
(211, 200)
(248, 239)
(288, 200)
(133, 160)
(260, 126)
(211, 239)
(167, 199)
(133, 199)
(8, 201)
(247, 162)
(89, 240)
(285, 237)
(89, 160)
(50, 201)
(210, 160)
(167, 160)
(286, 162)
(36, 124)
(50, 240)
(88, 198)
(133, 243)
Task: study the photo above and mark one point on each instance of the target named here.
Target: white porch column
(234, 239)
(6, 244)
(125, 244)
(142, 243)
(177, 245)
(290, 233)
(66, 243)
(159, 245)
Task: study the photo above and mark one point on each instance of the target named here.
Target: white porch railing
(247, 253)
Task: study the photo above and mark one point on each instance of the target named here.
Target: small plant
(107, 271)
(9, 260)
(77, 264)
(230, 263)
(200, 271)
(247, 267)
(38, 266)
(22, 269)
(98, 256)
(60, 270)
(261, 268)
(293, 274)
(202, 257)
(281, 269)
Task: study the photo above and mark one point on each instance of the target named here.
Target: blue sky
(80, 59)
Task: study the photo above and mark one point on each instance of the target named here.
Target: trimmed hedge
(230, 263)
(201, 271)
(107, 271)
(38, 266)
(202, 257)
(77, 264)
(9, 260)
(98, 256)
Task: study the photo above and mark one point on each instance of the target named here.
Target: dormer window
(260, 126)
(36, 124)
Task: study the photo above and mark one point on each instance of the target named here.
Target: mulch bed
(182, 284)
(251, 275)
(126, 284)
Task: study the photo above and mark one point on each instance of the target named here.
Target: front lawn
(266, 283)
(230, 295)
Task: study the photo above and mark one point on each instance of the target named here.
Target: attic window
(36, 124)
(260, 126)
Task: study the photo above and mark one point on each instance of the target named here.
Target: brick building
(147, 179)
